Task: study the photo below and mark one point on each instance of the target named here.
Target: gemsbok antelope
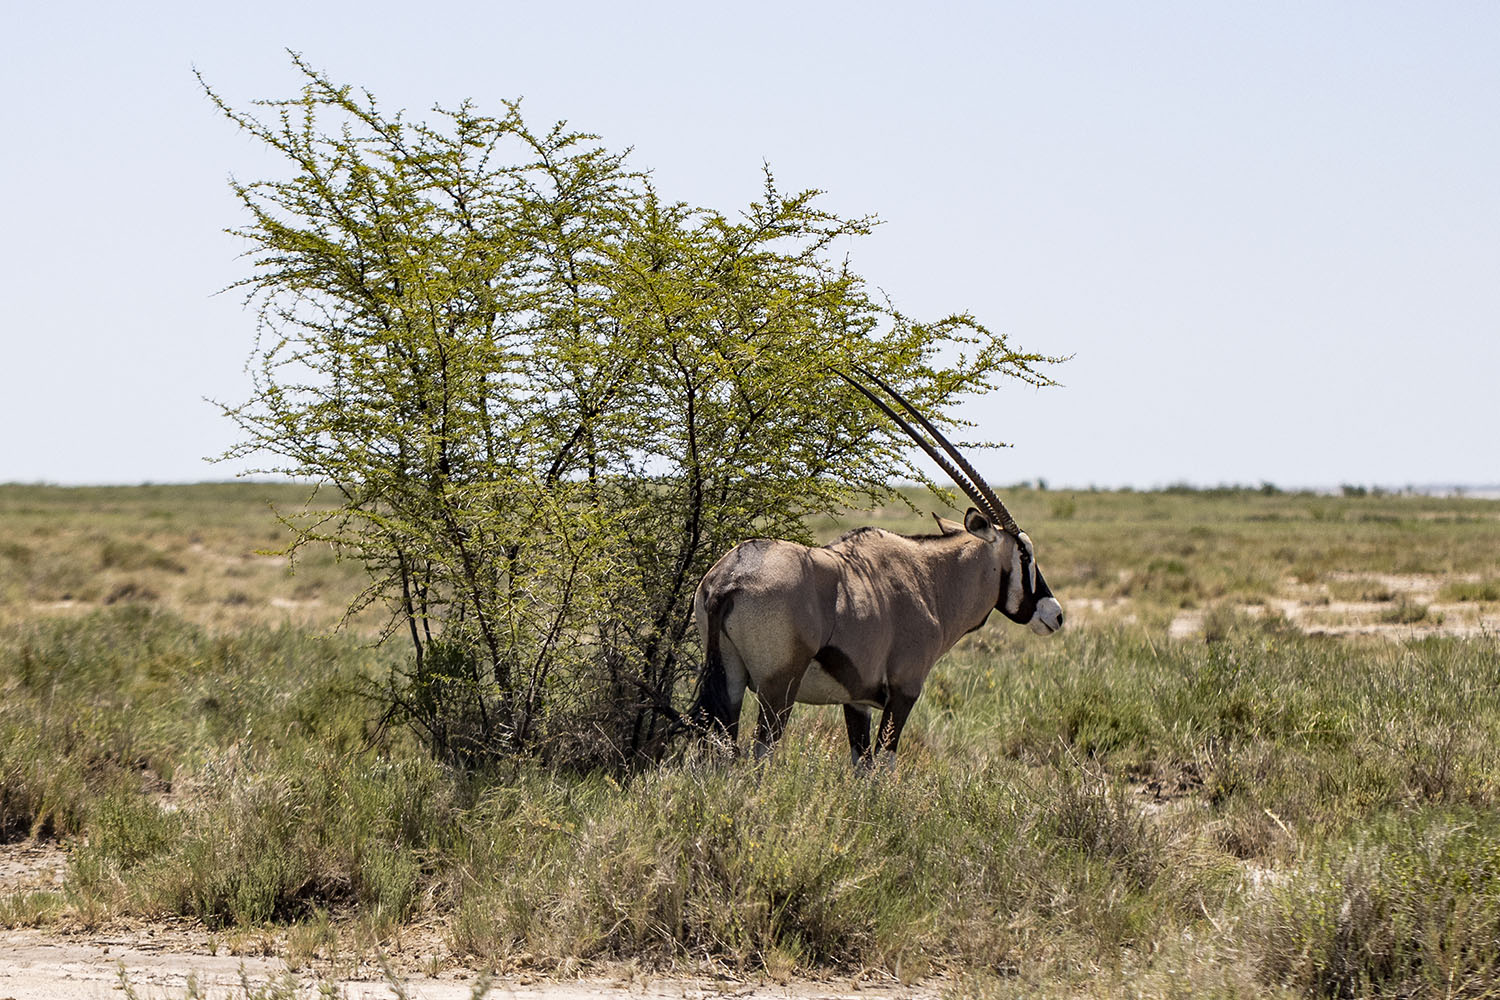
(860, 622)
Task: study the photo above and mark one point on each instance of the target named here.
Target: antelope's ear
(979, 525)
(946, 526)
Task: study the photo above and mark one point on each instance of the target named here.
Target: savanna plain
(1263, 759)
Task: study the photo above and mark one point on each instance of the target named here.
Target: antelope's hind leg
(776, 699)
(770, 724)
(736, 678)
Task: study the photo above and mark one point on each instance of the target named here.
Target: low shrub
(1409, 906)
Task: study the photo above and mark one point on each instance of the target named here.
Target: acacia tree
(546, 398)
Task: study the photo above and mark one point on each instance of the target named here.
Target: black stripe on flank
(836, 663)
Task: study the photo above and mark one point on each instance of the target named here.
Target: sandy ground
(35, 965)
(1315, 614)
(170, 960)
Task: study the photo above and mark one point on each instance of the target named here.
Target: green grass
(1408, 612)
(1471, 590)
(1077, 804)
(1409, 905)
(1360, 589)
(1249, 812)
(203, 551)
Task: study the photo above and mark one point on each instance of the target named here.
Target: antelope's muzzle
(1048, 617)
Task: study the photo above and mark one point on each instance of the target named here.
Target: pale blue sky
(1269, 232)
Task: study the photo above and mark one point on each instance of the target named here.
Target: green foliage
(546, 398)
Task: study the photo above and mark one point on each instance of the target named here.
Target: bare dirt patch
(1096, 610)
(1409, 610)
(38, 966)
(31, 867)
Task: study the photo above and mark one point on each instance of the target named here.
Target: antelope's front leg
(897, 707)
(857, 721)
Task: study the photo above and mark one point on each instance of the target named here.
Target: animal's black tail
(710, 713)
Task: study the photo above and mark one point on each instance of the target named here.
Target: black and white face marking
(1025, 597)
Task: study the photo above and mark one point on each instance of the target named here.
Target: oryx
(861, 621)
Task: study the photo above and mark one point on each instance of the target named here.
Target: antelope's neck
(965, 585)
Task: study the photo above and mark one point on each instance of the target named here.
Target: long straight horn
(967, 480)
(980, 493)
(953, 473)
